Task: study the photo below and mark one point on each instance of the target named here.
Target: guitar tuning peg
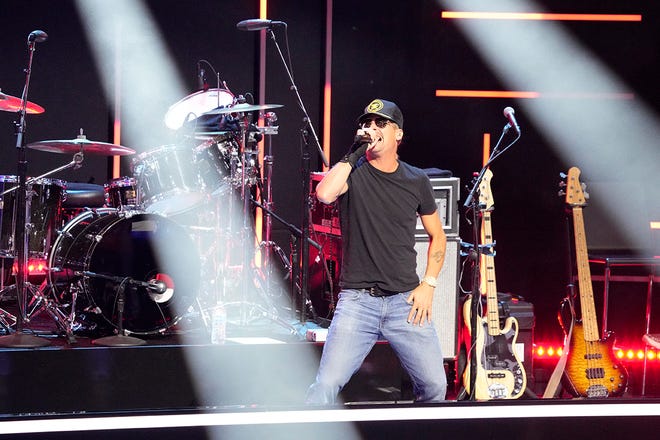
(561, 193)
(562, 184)
(586, 194)
(563, 175)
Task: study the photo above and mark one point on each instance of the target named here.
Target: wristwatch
(431, 281)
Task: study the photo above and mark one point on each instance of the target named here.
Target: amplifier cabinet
(445, 298)
(324, 218)
(446, 193)
(324, 286)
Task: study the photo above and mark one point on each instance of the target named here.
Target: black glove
(357, 150)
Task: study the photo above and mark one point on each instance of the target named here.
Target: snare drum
(121, 193)
(167, 181)
(105, 244)
(43, 215)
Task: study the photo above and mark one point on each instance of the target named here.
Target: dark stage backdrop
(396, 50)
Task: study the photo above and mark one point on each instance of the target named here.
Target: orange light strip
(538, 16)
(444, 93)
(116, 124)
(655, 225)
(486, 149)
(485, 94)
(258, 214)
(327, 89)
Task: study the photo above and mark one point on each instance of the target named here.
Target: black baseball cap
(386, 109)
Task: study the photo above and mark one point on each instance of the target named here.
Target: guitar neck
(488, 276)
(589, 320)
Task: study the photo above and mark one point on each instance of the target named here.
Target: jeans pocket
(403, 296)
(349, 294)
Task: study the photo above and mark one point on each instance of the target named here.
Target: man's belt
(378, 292)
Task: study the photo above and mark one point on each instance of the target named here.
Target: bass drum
(99, 249)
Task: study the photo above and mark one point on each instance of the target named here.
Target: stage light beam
(605, 138)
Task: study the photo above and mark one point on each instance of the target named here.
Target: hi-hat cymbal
(242, 108)
(81, 143)
(13, 104)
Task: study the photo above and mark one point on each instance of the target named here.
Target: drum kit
(140, 253)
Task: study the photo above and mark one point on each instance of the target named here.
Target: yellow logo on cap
(375, 106)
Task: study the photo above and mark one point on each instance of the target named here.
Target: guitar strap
(552, 389)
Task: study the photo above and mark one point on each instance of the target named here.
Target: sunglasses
(380, 123)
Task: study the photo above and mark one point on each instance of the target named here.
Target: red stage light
(34, 267)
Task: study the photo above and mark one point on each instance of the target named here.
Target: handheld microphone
(362, 137)
(509, 114)
(37, 36)
(257, 24)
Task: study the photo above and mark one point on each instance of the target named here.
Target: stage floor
(178, 385)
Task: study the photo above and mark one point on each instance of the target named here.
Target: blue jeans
(358, 322)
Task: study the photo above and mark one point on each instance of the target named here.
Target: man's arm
(437, 244)
(334, 183)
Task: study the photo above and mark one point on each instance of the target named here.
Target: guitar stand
(472, 203)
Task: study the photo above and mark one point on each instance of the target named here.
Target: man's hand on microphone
(358, 149)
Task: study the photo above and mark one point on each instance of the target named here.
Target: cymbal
(242, 108)
(13, 104)
(81, 143)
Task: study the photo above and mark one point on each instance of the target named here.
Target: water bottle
(219, 324)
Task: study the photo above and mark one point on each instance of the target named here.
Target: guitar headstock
(486, 201)
(575, 194)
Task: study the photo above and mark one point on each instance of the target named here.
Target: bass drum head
(128, 250)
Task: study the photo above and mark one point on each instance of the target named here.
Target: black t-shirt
(378, 218)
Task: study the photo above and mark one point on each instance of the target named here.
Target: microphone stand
(472, 203)
(19, 338)
(121, 339)
(305, 132)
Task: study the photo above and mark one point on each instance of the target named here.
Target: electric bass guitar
(591, 367)
(499, 372)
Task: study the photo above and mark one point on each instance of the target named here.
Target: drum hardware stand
(267, 245)
(19, 338)
(309, 129)
(295, 234)
(37, 296)
(247, 229)
(246, 235)
(5, 318)
(75, 163)
(40, 302)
